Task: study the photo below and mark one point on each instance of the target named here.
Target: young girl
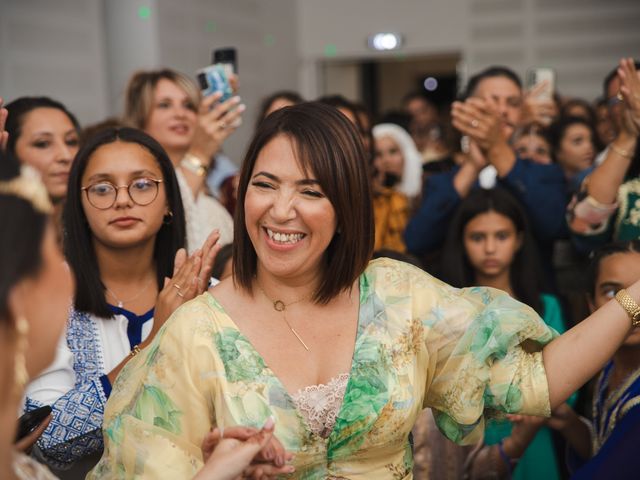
(124, 226)
(616, 414)
(489, 244)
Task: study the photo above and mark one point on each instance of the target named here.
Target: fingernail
(241, 108)
(290, 469)
(269, 423)
(279, 461)
(236, 99)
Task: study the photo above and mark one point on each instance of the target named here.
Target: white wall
(55, 49)
(581, 39)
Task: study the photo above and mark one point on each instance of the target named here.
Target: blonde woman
(167, 105)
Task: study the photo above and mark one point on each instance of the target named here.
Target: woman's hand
(190, 278)
(537, 109)
(630, 92)
(26, 443)
(4, 135)
(216, 121)
(478, 119)
(240, 454)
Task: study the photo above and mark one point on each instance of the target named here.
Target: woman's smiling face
(289, 219)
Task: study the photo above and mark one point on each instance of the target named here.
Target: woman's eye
(101, 189)
(262, 185)
(608, 294)
(41, 144)
(142, 184)
(163, 105)
(313, 193)
(73, 142)
(502, 235)
(475, 237)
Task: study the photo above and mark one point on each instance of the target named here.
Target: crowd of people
(355, 294)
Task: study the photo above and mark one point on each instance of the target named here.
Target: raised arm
(576, 356)
(607, 178)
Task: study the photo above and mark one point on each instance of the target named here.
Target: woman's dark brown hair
(328, 146)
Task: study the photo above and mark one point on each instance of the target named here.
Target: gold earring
(21, 375)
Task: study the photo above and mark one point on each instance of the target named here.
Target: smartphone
(28, 422)
(536, 76)
(228, 58)
(215, 77)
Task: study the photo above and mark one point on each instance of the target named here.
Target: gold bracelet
(134, 351)
(630, 306)
(620, 151)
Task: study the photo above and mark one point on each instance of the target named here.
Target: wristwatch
(193, 164)
(630, 306)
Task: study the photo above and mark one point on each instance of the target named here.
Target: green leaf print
(155, 407)
(241, 361)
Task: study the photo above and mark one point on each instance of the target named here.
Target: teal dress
(539, 460)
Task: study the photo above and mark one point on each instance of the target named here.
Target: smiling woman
(344, 353)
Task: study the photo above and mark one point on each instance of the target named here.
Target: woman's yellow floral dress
(420, 343)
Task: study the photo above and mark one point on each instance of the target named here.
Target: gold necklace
(280, 306)
(120, 303)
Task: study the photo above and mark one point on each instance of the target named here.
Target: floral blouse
(419, 343)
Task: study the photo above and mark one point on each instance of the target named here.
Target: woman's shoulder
(394, 275)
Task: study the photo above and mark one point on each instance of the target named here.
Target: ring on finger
(180, 294)
(474, 123)
(177, 286)
(222, 125)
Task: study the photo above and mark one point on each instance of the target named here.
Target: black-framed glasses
(142, 191)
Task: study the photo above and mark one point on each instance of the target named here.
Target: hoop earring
(21, 374)
(168, 218)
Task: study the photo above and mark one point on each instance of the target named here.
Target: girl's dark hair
(558, 130)
(78, 244)
(490, 72)
(289, 95)
(524, 274)
(20, 237)
(596, 257)
(222, 258)
(20, 107)
(328, 146)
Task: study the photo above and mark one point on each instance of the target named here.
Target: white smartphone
(536, 76)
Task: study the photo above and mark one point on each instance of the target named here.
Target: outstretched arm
(574, 357)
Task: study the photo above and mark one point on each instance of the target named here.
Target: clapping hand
(190, 278)
(4, 135)
(243, 453)
(479, 119)
(538, 108)
(630, 92)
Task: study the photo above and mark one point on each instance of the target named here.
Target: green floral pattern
(419, 343)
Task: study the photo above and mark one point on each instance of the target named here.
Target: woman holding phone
(167, 105)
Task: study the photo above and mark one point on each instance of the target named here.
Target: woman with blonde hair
(168, 106)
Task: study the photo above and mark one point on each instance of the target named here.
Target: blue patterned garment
(75, 430)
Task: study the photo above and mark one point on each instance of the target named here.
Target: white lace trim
(320, 404)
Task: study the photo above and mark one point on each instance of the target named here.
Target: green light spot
(330, 50)
(144, 13)
(269, 40)
(211, 26)
(401, 56)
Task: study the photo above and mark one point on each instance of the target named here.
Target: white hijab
(411, 181)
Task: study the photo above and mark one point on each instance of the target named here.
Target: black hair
(20, 107)
(222, 258)
(20, 238)
(610, 76)
(596, 257)
(558, 129)
(524, 273)
(78, 244)
(491, 72)
(289, 95)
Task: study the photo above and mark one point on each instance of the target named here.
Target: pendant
(120, 304)
(279, 305)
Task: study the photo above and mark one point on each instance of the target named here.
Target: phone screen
(30, 421)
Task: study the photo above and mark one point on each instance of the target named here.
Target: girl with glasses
(124, 239)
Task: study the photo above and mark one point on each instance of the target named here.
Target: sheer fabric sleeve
(161, 405)
(484, 356)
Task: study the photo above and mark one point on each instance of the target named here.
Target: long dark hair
(21, 236)
(20, 107)
(524, 273)
(78, 245)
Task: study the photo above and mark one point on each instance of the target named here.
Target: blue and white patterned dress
(77, 387)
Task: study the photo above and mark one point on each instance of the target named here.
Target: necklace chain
(120, 303)
(280, 306)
